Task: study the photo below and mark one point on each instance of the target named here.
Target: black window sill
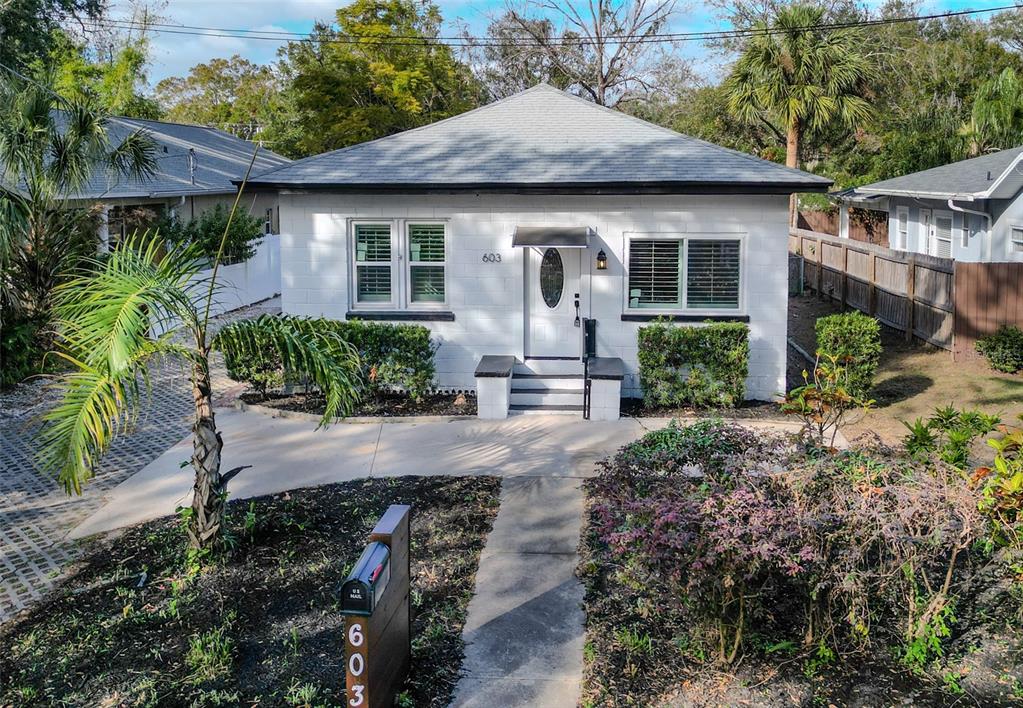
(401, 315)
(638, 317)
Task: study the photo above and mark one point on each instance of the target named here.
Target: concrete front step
(549, 366)
(546, 396)
(545, 410)
(543, 382)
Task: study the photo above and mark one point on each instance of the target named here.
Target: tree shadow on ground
(899, 388)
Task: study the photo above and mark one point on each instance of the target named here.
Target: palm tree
(107, 316)
(802, 76)
(996, 120)
(51, 148)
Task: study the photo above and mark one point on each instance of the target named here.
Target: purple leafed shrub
(747, 531)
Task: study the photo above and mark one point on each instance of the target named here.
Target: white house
(970, 210)
(508, 229)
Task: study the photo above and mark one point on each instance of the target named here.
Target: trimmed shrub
(393, 356)
(854, 340)
(693, 366)
(1003, 349)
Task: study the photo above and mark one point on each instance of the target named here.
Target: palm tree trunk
(792, 160)
(207, 521)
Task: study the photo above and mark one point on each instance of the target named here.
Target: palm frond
(108, 313)
(134, 157)
(96, 405)
(305, 350)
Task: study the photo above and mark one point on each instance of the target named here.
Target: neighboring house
(506, 229)
(970, 210)
(196, 168)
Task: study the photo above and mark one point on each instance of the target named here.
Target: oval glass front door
(552, 277)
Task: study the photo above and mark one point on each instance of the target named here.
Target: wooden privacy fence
(909, 292)
(987, 295)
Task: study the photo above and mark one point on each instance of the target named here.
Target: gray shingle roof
(541, 137)
(220, 160)
(987, 176)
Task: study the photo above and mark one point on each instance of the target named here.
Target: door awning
(551, 236)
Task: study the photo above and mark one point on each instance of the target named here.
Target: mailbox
(366, 583)
(375, 603)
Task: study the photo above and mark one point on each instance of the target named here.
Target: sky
(175, 54)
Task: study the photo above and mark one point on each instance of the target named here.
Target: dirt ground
(913, 379)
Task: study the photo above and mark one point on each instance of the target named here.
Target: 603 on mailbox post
(375, 602)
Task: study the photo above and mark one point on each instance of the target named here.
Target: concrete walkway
(525, 629)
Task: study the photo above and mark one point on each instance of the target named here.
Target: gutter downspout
(987, 217)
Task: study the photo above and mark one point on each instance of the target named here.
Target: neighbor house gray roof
(994, 176)
(218, 160)
(541, 138)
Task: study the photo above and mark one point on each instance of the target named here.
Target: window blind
(712, 274)
(373, 259)
(654, 276)
(943, 237)
(426, 242)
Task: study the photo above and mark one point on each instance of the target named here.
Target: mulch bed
(747, 410)
(137, 624)
(385, 405)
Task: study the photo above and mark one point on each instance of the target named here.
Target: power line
(473, 41)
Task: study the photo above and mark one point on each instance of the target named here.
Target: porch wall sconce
(601, 260)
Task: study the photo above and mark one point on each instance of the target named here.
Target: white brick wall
(487, 298)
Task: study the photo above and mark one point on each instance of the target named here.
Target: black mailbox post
(375, 602)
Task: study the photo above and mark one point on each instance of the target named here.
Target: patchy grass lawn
(132, 626)
(913, 378)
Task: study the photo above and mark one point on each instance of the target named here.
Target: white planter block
(493, 396)
(605, 399)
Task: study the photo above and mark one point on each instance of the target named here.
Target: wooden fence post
(820, 268)
(872, 285)
(910, 296)
(845, 275)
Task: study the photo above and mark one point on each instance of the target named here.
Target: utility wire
(474, 41)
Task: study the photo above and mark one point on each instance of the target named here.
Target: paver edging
(354, 420)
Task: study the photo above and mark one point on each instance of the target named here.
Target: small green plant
(301, 694)
(1003, 349)
(949, 433)
(291, 642)
(852, 340)
(822, 657)
(925, 642)
(1002, 491)
(210, 653)
(952, 679)
(634, 641)
(824, 400)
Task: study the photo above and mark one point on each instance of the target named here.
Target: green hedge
(393, 356)
(693, 366)
(854, 339)
(1003, 349)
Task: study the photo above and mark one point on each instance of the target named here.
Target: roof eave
(919, 194)
(552, 187)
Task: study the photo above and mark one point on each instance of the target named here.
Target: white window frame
(353, 299)
(685, 237)
(401, 266)
(901, 237)
(268, 221)
(1015, 245)
(965, 232)
(405, 224)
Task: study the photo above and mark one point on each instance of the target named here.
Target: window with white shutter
(684, 274)
(373, 267)
(712, 274)
(901, 229)
(943, 236)
(655, 279)
(1017, 239)
(426, 258)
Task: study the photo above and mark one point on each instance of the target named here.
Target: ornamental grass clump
(862, 550)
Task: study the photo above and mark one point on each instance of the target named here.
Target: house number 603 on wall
(491, 257)
(357, 664)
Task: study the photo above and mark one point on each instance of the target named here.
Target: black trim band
(401, 316)
(634, 317)
(637, 187)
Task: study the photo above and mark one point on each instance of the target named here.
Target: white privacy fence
(238, 284)
(248, 282)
